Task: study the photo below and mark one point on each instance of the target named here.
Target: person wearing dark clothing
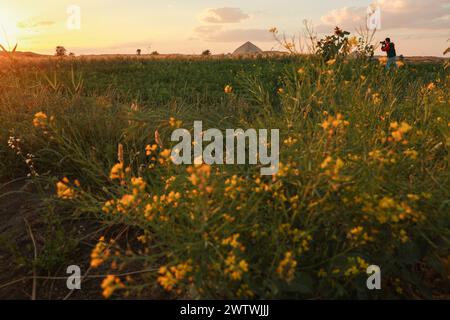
(389, 48)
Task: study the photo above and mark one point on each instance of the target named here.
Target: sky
(418, 27)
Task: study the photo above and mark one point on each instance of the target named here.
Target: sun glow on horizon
(8, 30)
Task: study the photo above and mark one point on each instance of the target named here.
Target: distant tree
(71, 54)
(138, 52)
(155, 53)
(60, 51)
(206, 53)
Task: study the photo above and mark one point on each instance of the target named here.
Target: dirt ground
(23, 232)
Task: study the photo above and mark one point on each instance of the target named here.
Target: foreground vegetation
(364, 176)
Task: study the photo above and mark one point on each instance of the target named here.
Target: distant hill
(27, 54)
(247, 48)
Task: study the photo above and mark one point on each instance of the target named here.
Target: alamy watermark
(374, 17)
(374, 279)
(73, 17)
(229, 149)
(74, 280)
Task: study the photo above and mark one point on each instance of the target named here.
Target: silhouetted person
(389, 48)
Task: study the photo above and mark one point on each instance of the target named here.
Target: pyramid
(247, 48)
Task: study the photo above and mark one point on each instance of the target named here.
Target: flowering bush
(340, 44)
(337, 44)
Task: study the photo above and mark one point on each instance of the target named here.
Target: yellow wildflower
(175, 123)
(40, 120)
(228, 89)
(387, 203)
(290, 141)
(110, 284)
(376, 98)
(117, 172)
(233, 242)
(398, 131)
(199, 176)
(100, 253)
(64, 191)
(150, 149)
(334, 123)
(108, 206)
(286, 268)
(244, 291)
(170, 277)
(356, 230)
(411, 154)
(403, 236)
(138, 184)
(413, 197)
(326, 162)
(125, 202)
(164, 156)
(357, 265)
(233, 269)
(353, 41)
(322, 273)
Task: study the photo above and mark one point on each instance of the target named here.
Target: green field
(364, 179)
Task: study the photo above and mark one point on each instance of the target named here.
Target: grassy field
(364, 179)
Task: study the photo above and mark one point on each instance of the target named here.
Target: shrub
(206, 53)
(335, 45)
(60, 51)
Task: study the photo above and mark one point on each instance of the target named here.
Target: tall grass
(364, 176)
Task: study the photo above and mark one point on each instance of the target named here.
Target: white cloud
(214, 27)
(217, 33)
(223, 15)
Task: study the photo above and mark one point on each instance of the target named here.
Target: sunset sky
(419, 27)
